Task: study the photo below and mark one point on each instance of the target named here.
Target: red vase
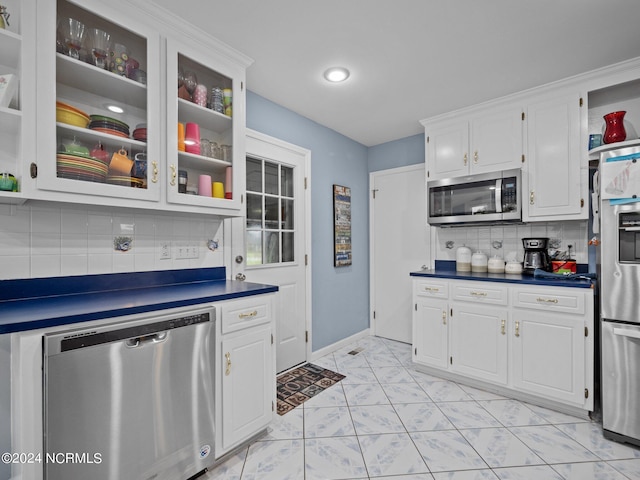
(614, 131)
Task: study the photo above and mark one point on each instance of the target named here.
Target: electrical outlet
(165, 251)
(182, 250)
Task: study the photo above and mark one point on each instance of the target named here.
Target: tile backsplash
(509, 239)
(39, 239)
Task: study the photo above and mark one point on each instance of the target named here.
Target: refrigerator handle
(625, 332)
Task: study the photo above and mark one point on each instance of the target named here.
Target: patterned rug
(300, 384)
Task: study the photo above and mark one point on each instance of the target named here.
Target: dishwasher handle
(142, 340)
(625, 332)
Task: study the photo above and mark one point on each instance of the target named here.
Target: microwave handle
(498, 195)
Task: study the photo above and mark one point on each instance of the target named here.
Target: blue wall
(399, 153)
(340, 301)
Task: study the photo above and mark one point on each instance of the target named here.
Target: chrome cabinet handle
(250, 314)
(546, 300)
(517, 329)
(475, 157)
(532, 197)
(502, 327)
(227, 356)
(154, 178)
(173, 175)
(464, 159)
(479, 294)
(444, 317)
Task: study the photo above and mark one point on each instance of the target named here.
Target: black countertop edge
(53, 311)
(503, 278)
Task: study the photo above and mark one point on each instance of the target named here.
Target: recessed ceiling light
(115, 109)
(336, 74)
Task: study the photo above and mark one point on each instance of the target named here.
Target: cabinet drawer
(484, 292)
(566, 300)
(241, 314)
(429, 288)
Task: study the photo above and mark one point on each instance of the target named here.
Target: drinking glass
(73, 35)
(100, 50)
(190, 82)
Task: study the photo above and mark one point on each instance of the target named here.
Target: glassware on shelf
(227, 101)
(200, 95)
(119, 55)
(190, 82)
(180, 77)
(4, 17)
(73, 31)
(100, 41)
(216, 101)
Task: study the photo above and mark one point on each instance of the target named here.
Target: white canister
(513, 267)
(463, 259)
(478, 262)
(495, 265)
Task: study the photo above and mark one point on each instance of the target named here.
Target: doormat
(300, 384)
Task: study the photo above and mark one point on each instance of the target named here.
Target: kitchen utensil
(73, 31)
(101, 42)
(120, 163)
(495, 265)
(513, 267)
(535, 255)
(479, 262)
(463, 259)
(218, 189)
(204, 185)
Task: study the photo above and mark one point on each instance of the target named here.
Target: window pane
(272, 216)
(286, 176)
(287, 214)
(271, 178)
(254, 210)
(272, 247)
(254, 175)
(254, 248)
(287, 247)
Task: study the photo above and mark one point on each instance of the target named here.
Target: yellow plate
(71, 118)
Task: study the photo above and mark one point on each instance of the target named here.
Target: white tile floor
(385, 420)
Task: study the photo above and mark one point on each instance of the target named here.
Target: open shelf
(11, 47)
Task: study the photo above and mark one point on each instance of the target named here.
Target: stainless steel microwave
(488, 198)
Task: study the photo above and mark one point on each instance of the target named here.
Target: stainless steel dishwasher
(132, 399)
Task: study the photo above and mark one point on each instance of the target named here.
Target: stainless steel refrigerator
(619, 282)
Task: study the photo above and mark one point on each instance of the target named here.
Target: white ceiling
(411, 59)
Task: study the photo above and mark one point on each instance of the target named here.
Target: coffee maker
(535, 255)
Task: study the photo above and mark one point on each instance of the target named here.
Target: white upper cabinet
(556, 171)
(128, 56)
(477, 143)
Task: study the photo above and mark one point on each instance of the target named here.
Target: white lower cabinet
(246, 371)
(479, 341)
(535, 342)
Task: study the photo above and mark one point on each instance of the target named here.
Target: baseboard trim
(339, 344)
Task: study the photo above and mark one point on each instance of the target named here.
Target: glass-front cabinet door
(205, 129)
(99, 113)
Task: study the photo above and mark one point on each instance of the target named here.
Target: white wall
(41, 239)
(481, 238)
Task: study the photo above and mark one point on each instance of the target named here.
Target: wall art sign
(341, 226)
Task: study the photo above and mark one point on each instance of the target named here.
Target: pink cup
(204, 185)
(192, 138)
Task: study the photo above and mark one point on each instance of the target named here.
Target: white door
(399, 244)
(271, 243)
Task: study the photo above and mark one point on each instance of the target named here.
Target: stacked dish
(70, 115)
(109, 125)
(81, 167)
(125, 181)
(140, 133)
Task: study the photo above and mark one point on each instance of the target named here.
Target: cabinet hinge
(451, 312)
(273, 407)
(416, 307)
(586, 331)
(582, 203)
(523, 116)
(33, 170)
(428, 174)
(272, 339)
(581, 102)
(415, 351)
(242, 86)
(242, 198)
(427, 139)
(451, 360)
(374, 193)
(306, 336)
(305, 183)
(306, 259)
(523, 158)
(374, 314)
(586, 393)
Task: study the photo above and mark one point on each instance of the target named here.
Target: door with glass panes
(275, 237)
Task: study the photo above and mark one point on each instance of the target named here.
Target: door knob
(241, 276)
